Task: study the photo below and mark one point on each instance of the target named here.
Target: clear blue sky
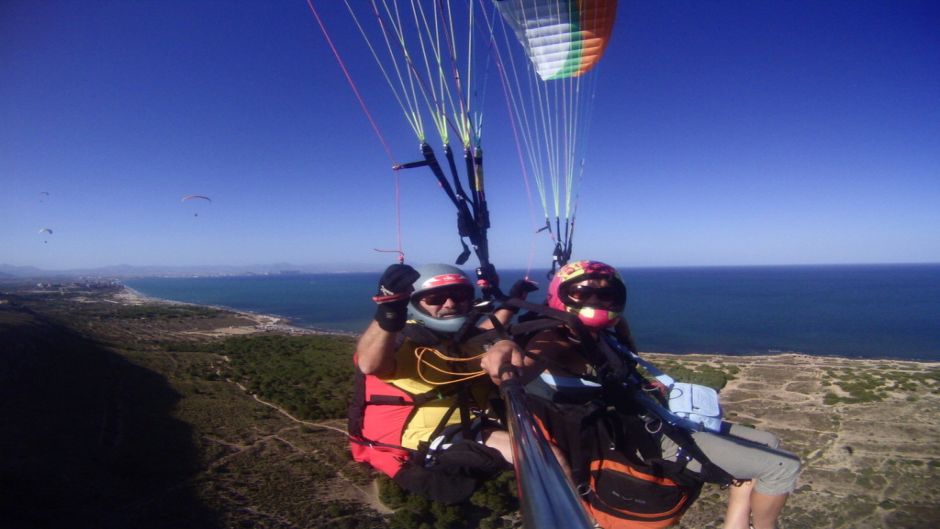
(724, 133)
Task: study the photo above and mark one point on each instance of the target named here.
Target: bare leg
(766, 509)
(499, 439)
(563, 461)
(738, 514)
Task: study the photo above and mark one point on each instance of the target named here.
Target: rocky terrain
(865, 430)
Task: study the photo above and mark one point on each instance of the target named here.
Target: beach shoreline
(260, 322)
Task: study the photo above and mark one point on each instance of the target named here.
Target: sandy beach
(254, 323)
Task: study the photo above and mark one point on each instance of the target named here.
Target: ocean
(871, 311)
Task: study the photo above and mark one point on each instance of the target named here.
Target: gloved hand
(520, 289)
(488, 281)
(395, 288)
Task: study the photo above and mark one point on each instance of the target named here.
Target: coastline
(260, 323)
(872, 314)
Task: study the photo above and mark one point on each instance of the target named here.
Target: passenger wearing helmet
(559, 369)
(592, 290)
(411, 413)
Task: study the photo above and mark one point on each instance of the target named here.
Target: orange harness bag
(617, 466)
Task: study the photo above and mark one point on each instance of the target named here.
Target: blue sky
(725, 133)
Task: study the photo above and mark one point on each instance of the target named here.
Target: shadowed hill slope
(88, 437)
(118, 416)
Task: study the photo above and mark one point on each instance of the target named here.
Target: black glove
(488, 281)
(395, 288)
(520, 289)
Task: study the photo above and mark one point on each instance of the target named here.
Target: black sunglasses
(584, 293)
(439, 297)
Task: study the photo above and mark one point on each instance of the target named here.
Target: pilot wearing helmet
(419, 410)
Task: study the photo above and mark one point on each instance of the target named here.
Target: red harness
(378, 415)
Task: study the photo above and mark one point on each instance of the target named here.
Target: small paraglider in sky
(197, 199)
(43, 195)
(45, 232)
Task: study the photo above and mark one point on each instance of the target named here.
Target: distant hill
(8, 271)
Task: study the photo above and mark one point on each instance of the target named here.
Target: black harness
(622, 385)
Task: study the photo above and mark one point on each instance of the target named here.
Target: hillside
(119, 413)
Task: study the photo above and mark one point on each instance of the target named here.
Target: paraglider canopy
(45, 231)
(562, 39)
(196, 198)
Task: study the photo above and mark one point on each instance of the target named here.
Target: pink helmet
(593, 318)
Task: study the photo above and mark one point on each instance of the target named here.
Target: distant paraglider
(45, 232)
(43, 195)
(196, 198)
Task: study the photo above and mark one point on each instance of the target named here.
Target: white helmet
(434, 276)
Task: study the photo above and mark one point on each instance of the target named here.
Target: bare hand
(501, 353)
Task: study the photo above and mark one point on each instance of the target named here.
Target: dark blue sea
(875, 311)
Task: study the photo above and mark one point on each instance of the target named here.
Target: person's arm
(520, 289)
(503, 315)
(529, 363)
(375, 351)
(499, 357)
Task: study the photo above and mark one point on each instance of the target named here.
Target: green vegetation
(875, 385)
(703, 374)
(869, 478)
(309, 376)
(346, 515)
(486, 509)
(165, 312)
(888, 505)
(205, 346)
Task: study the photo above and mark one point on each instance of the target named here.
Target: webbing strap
(676, 428)
(424, 446)
(667, 380)
(569, 319)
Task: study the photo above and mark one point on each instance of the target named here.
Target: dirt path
(366, 495)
